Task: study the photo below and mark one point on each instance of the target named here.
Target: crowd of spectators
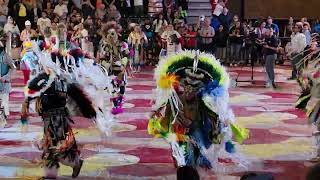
(233, 41)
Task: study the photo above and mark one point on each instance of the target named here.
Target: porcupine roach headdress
(198, 69)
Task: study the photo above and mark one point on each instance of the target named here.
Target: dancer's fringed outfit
(309, 81)
(192, 112)
(55, 93)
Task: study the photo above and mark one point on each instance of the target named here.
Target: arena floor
(280, 138)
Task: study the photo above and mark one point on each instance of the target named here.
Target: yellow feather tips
(167, 81)
(240, 134)
(154, 127)
(27, 44)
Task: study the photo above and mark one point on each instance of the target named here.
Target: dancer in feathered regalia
(309, 81)
(56, 92)
(114, 57)
(192, 112)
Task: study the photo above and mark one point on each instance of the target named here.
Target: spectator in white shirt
(61, 10)
(172, 40)
(159, 23)
(43, 22)
(298, 44)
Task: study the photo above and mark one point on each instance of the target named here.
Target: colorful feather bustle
(180, 78)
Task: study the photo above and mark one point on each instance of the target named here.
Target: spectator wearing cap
(296, 48)
(61, 10)
(28, 33)
(272, 25)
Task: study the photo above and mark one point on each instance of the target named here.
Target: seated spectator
(3, 13)
(272, 25)
(183, 4)
(221, 38)
(61, 10)
(190, 38)
(182, 13)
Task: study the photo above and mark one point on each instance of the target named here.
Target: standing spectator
(295, 50)
(221, 38)
(11, 27)
(316, 26)
(236, 41)
(169, 16)
(190, 37)
(183, 4)
(273, 26)
(307, 33)
(289, 28)
(235, 19)
(28, 33)
(87, 9)
(113, 14)
(20, 14)
(225, 18)
(101, 12)
(158, 23)
(169, 37)
(270, 51)
(61, 10)
(207, 34)
(43, 22)
(48, 9)
(3, 13)
(138, 8)
(13, 42)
